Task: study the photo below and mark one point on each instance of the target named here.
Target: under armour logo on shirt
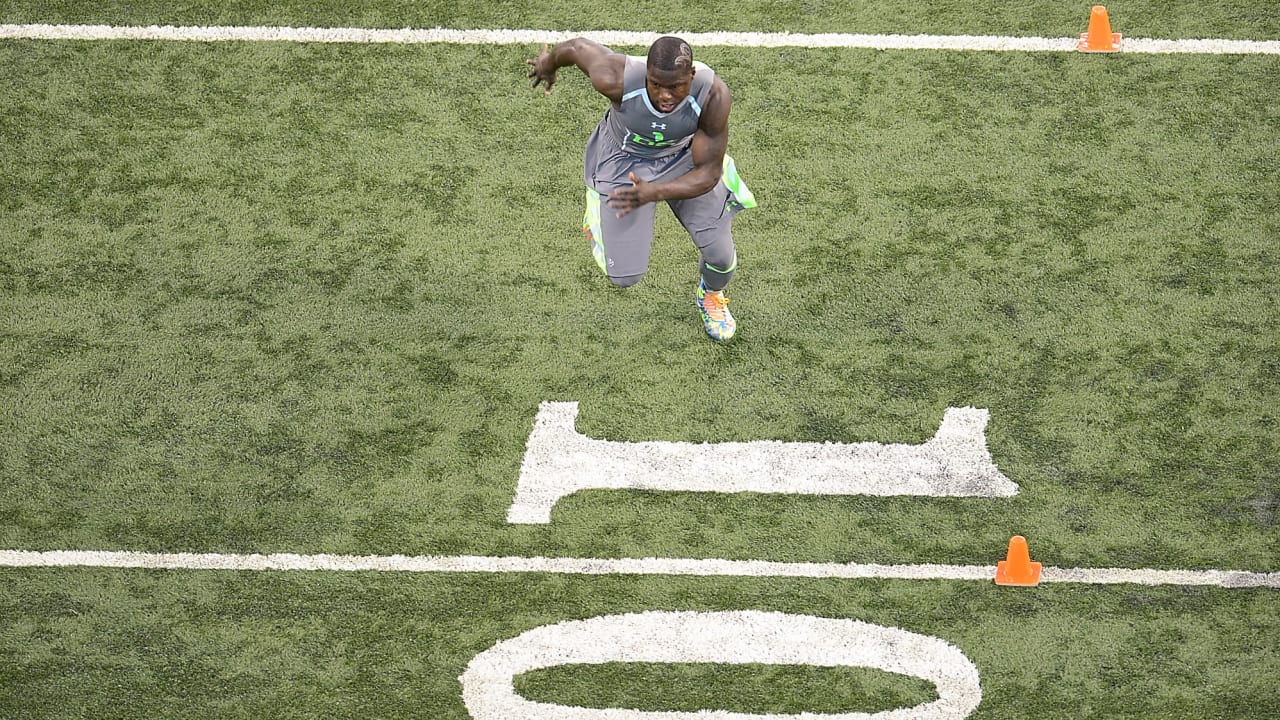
(659, 126)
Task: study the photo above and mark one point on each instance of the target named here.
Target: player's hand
(543, 71)
(625, 200)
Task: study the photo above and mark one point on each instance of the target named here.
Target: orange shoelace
(715, 304)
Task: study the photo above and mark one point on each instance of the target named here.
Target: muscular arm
(709, 144)
(602, 65)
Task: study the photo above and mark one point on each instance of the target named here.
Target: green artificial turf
(272, 297)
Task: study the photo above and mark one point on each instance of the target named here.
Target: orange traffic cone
(1099, 38)
(1018, 569)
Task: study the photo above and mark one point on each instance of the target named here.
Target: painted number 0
(717, 637)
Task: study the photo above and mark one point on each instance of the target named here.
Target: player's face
(667, 87)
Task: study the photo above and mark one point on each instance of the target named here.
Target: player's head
(668, 72)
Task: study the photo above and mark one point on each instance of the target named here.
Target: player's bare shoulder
(715, 111)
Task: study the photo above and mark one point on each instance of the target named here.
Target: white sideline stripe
(616, 566)
(620, 37)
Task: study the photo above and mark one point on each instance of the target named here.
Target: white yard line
(616, 566)
(530, 37)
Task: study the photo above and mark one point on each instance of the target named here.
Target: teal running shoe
(716, 318)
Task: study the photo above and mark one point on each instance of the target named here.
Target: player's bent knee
(721, 259)
(625, 280)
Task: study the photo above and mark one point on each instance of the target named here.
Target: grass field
(303, 298)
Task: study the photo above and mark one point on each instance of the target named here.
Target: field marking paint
(735, 637)
(560, 461)
(41, 31)
(615, 566)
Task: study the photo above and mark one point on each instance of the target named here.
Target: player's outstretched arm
(602, 65)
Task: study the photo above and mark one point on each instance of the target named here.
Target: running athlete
(663, 138)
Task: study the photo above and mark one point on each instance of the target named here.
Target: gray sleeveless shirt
(639, 129)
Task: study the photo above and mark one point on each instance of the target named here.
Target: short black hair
(670, 54)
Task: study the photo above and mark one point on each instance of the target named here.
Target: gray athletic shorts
(628, 240)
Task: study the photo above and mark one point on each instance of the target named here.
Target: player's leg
(718, 260)
(717, 256)
(621, 245)
(709, 220)
(712, 234)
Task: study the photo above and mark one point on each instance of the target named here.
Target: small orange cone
(1018, 569)
(1099, 39)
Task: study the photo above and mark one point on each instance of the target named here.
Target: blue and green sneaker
(716, 318)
